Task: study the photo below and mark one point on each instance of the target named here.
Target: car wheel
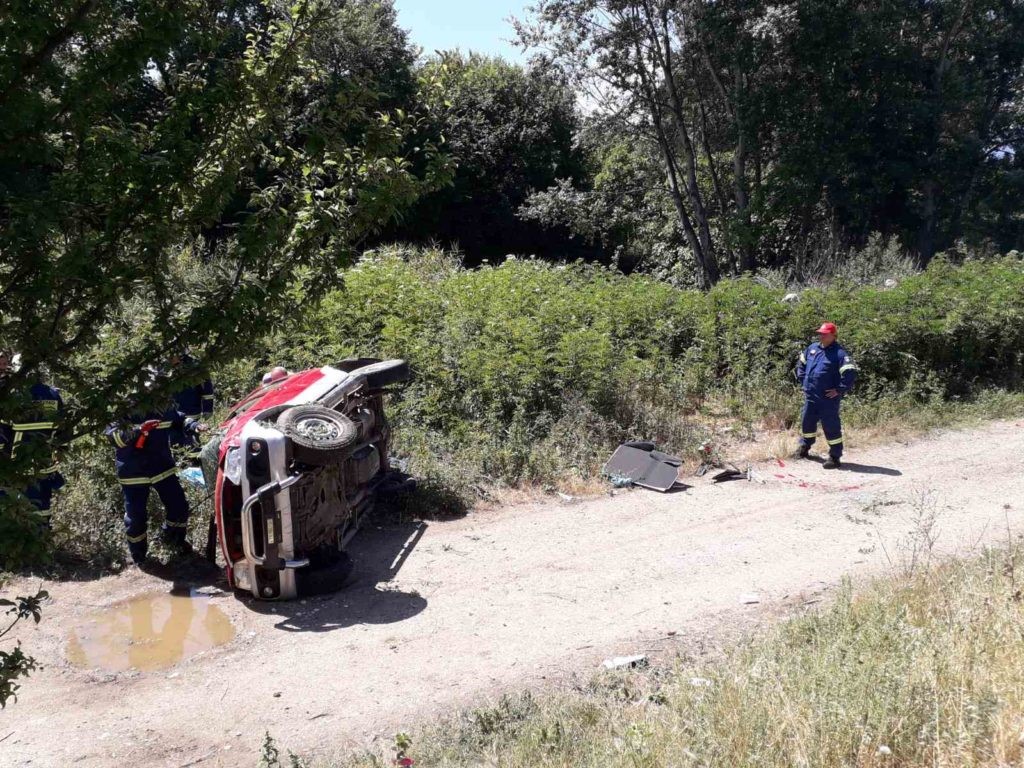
(323, 581)
(384, 373)
(319, 435)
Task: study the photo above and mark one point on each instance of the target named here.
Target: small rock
(791, 298)
(625, 662)
(891, 283)
(566, 497)
(750, 598)
(277, 694)
(884, 750)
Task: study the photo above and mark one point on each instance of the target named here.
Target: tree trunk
(663, 45)
(700, 243)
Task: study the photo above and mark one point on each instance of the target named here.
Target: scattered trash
(755, 476)
(791, 298)
(644, 466)
(566, 497)
(625, 662)
(193, 476)
(700, 682)
(750, 598)
(727, 474)
(884, 750)
(620, 481)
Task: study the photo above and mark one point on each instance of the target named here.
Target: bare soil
(446, 614)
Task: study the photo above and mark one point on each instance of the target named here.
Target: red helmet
(829, 328)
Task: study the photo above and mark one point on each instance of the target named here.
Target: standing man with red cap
(826, 372)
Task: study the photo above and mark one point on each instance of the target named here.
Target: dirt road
(447, 613)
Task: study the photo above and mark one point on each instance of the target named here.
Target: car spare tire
(383, 374)
(319, 435)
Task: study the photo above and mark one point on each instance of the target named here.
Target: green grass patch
(923, 668)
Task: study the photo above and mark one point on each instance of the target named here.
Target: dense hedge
(492, 343)
(526, 371)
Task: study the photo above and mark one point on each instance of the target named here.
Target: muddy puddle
(148, 633)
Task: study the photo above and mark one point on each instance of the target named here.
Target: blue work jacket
(823, 368)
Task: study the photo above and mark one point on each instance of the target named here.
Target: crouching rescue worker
(826, 372)
(34, 429)
(144, 461)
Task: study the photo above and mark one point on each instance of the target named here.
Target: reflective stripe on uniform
(118, 440)
(175, 524)
(134, 480)
(837, 441)
(164, 425)
(809, 434)
(147, 480)
(136, 539)
(207, 397)
(848, 367)
(43, 512)
(163, 475)
(803, 358)
(33, 426)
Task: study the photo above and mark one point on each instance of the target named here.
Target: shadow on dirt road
(379, 553)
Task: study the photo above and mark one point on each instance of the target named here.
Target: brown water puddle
(148, 633)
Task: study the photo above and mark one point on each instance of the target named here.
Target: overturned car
(297, 470)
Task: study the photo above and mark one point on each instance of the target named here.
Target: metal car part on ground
(641, 464)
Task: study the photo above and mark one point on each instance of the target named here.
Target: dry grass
(922, 668)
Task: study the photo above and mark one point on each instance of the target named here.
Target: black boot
(833, 462)
(176, 543)
(801, 452)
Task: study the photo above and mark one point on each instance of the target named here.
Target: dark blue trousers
(136, 517)
(825, 412)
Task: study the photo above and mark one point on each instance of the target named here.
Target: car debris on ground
(625, 662)
(641, 463)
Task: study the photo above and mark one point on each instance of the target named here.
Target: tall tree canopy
(779, 127)
(510, 131)
(180, 172)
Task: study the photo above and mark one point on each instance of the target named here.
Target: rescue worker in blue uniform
(195, 401)
(144, 461)
(827, 373)
(34, 430)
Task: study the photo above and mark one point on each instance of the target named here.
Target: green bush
(528, 372)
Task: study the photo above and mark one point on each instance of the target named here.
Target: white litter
(750, 598)
(625, 662)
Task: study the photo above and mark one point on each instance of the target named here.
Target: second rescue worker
(826, 372)
(144, 461)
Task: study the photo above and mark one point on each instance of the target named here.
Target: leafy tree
(15, 664)
(780, 127)
(180, 173)
(510, 132)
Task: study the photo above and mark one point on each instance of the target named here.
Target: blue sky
(472, 25)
